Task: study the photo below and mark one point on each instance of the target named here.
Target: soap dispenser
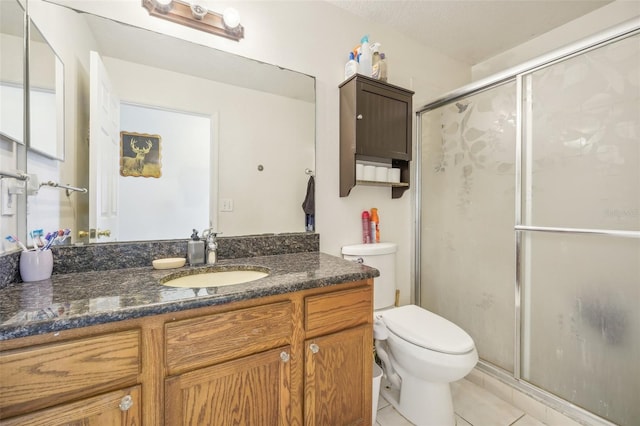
(195, 250)
(212, 245)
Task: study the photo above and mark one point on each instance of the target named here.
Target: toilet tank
(381, 256)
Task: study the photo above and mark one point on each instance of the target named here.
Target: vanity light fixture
(194, 14)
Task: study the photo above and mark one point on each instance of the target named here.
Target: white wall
(605, 17)
(149, 205)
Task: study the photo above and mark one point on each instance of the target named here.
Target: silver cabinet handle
(314, 348)
(284, 356)
(126, 403)
(359, 117)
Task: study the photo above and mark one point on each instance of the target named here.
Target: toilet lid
(426, 329)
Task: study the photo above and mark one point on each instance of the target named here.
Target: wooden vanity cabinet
(376, 122)
(291, 359)
(338, 358)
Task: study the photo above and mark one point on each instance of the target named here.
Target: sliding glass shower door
(468, 199)
(530, 225)
(581, 209)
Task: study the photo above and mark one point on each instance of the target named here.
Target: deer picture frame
(140, 155)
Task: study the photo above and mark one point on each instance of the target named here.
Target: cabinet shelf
(376, 120)
(378, 183)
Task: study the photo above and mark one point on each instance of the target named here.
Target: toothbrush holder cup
(36, 265)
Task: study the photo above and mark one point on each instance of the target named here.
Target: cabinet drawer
(327, 313)
(220, 337)
(46, 375)
(117, 408)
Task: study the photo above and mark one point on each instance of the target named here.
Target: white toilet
(422, 352)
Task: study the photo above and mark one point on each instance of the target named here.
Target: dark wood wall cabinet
(376, 121)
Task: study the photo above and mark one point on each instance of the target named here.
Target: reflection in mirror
(46, 97)
(261, 136)
(11, 78)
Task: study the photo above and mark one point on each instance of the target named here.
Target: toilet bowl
(424, 353)
(421, 352)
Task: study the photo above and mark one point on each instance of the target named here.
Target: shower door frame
(516, 74)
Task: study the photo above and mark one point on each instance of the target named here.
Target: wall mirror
(259, 134)
(11, 73)
(46, 97)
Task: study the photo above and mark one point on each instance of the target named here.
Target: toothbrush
(32, 237)
(59, 237)
(49, 240)
(65, 235)
(13, 239)
(39, 234)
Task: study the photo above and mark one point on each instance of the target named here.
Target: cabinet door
(384, 120)
(254, 390)
(116, 408)
(338, 378)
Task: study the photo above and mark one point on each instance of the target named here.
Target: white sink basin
(215, 279)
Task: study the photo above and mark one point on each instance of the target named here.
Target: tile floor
(476, 406)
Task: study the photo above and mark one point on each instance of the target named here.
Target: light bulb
(163, 5)
(198, 9)
(231, 17)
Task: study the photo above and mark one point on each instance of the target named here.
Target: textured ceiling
(471, 30)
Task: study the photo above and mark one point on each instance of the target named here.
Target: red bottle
(366, 228)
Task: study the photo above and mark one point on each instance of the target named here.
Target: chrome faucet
(211, 245)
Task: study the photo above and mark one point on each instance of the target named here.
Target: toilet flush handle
(358, 260)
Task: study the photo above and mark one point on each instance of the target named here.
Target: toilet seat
(427, 330)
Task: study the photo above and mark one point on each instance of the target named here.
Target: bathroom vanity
(292, 348)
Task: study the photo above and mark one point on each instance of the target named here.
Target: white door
(104, 150)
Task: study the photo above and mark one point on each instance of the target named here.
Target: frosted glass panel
(584, 131)
(468, 154)
(581, 336)
(579, 330)
(580, 319)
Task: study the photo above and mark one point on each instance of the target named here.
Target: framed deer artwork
(140, 155)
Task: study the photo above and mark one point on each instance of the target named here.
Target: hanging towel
(309, 203)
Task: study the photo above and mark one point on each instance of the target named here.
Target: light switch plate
(226, 204)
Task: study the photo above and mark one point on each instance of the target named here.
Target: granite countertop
(82, 299)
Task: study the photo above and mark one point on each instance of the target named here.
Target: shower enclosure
(529, 223)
